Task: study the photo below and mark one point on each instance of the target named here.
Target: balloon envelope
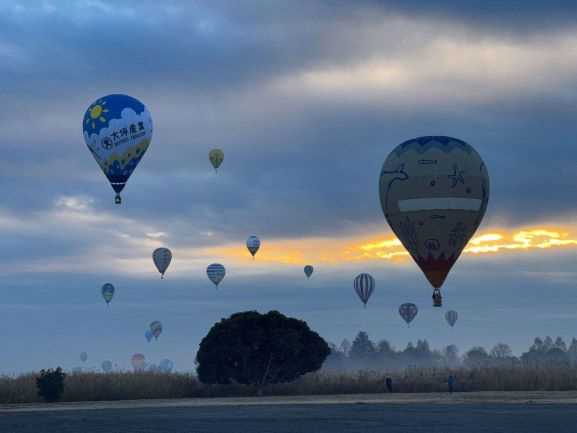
(216, 273)
(216, 156)
(308, 270)
(408, 312)
(162, 258)
(166, 365)
(156, 329)
(451, 317)
(107, 292)
(83, 356)
(107, 366)
(137, 361)
(434, 193)
(117, 130)
(148, 335)
(253, 244)
(364, 285)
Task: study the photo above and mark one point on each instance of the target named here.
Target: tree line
(364, 354)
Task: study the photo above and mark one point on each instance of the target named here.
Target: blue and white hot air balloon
(253, 244)
(117, 130)
(216, 273)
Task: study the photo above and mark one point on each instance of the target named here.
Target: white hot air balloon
(215, 273)
(434, 193)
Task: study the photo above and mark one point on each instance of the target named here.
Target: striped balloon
(162, 258)
(364, 285)
(308, 270)
(108, 292)
(253, 244)
(451, 317)
(408, 312)
(216, 273)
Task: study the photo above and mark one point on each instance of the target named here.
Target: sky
(306, 98)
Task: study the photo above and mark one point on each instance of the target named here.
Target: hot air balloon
(451, 317)
(166, 366)
(308, 270)
(148, 335)
(83, 356)
(364, 285)
(137, 362)
(216, 273)
(162, 258)
(107, 366)
(117, 130)
(107, 292)
(408, 312)
(216, 156)
(434, 193)
(156, 329)
(253, 244)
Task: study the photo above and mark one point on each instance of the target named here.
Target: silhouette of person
(450, 382)
(389, 384)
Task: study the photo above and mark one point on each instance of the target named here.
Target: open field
(495, 412)
(131, 386)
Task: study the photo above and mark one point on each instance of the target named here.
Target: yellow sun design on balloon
(97, 113)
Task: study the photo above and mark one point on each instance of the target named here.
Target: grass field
(134, 386)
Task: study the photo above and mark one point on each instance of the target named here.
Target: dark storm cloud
(295, 165)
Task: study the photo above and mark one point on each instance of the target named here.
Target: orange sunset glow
(346, 250)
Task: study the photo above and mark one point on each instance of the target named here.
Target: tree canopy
(258, 349)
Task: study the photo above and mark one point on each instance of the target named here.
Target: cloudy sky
(306, 98)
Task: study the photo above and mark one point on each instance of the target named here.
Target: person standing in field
(389, 384)
(450, 382)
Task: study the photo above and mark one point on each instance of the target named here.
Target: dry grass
(133, 386)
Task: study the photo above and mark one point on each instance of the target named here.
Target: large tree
(257, 349)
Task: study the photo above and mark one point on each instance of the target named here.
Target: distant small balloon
(162, 258)
(308, 270)
(156, 329)
(138, 362)
(408, 312)
(451, 317)
(166, 366)
(107, 366)
(148, 335)
(253, 244)
(364, 285)
(216, 156)
(108, 292)
(83, 356)
(216, 273)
